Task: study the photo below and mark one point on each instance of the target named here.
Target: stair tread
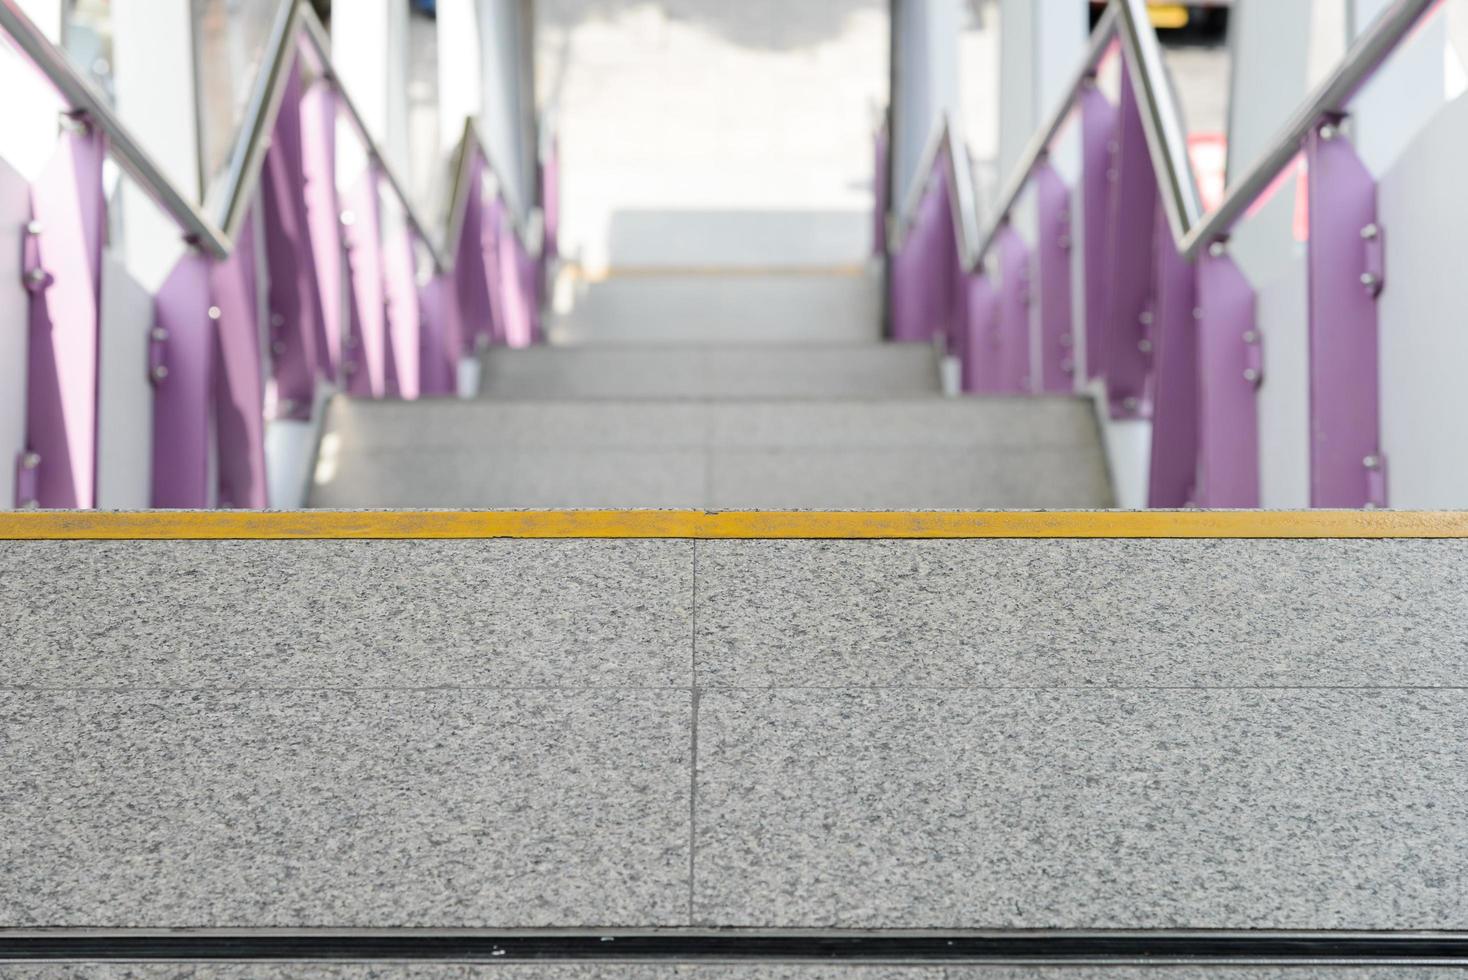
(502, 734)
(838, 453)
(721, 371)
(722, 309)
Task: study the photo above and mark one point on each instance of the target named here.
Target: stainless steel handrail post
(82, 96)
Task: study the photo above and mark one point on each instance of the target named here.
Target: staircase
(325, 747)
(820, 415)
(716, 637)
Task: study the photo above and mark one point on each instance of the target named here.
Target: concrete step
(833, 735)
(838, 453)
(791, 307)
(729, 372)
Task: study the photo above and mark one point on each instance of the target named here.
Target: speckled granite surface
(345, 614)
(1290, 809)
(897, 453)
(324, 808)
(734, 371)
(1082, 613)
(654, 971)
(860, 734)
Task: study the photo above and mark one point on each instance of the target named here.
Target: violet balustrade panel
(1346, 275)
(62, 274)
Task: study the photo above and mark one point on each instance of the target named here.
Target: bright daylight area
(733, 489)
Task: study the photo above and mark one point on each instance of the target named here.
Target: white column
(369, 48)
(925, 52)
(459, 74)
(1408, 91)
(157, 99)
(28, 137)
(1041, 44)
(504, 63)
(1271, 45)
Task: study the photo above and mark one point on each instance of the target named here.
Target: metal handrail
(84, 98)
(1039, 144)
(315, 34)
(1162, 118)
(1330, 97)
(963, 205)
(472, 141)
(247, 155)
(231, 199)
(1192, 230)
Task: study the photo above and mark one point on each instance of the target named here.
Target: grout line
(725, 688)
(693, 743)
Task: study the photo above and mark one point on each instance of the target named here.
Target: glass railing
(186, 342)
(1181, 313)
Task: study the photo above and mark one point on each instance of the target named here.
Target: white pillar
(925, 55)
(1408, 91)
(507, 113)
(153, 72)
(1276, 48)
(28, 137)
(459, 74)
(369, 48)
(1041, 45)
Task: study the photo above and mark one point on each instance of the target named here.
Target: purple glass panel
(1228, 381)
(904, 291)
(495, 255)
(440, 333)
(400, 286)
(980, 361)
(239, 386)
(516, 291)
(1013, 354)
(475, 316)
(1098, 137)
(532, 281)
(1053, 263)
(366, 358)
(183, 381)
(1174, 458)
(295, 314)
(1125, 354)
(1346, 463)
(63, 275)
(924, 289)
(323, 221)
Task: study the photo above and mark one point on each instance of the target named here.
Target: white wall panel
(125, 397)
(1422, 203)
(15, 212)
(1282, 312)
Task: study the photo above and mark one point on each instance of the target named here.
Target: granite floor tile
(721, 310)
(1082, 613)
(1210, 971)
(477, 971)
(962, 424)
(1304, 809)
(347, 614)
(489, 425)
(796, 371)
(328, 809)
(908, 478)
(511, 477)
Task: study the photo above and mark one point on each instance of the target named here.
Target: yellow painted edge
(836, 525)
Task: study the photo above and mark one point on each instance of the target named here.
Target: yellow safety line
(836, 525)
